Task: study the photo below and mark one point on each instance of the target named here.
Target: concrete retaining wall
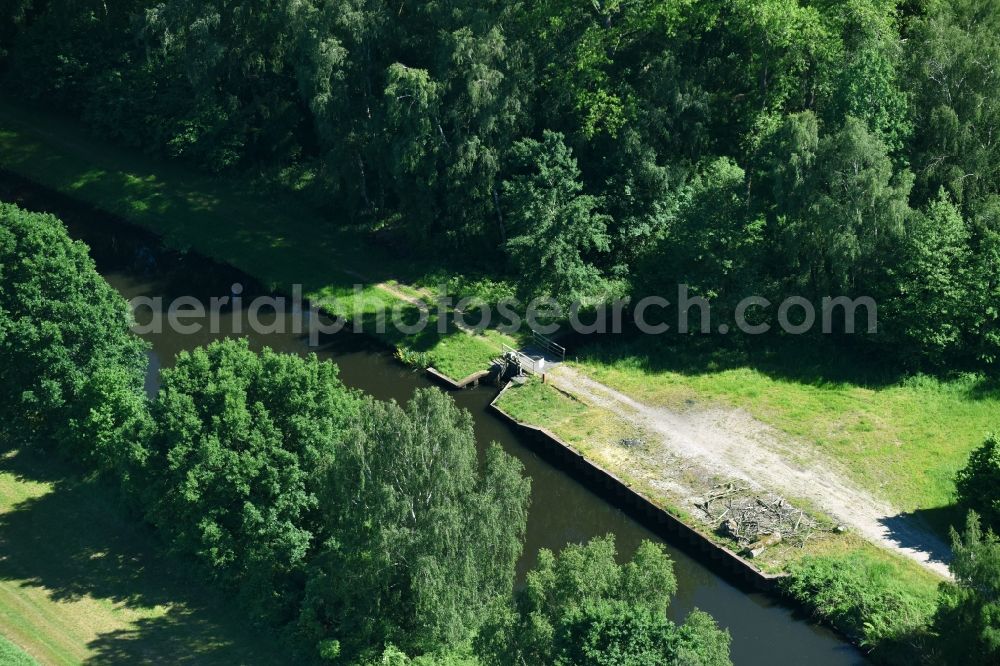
(444, 379)
(602, 481)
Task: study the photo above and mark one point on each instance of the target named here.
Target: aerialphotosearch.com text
(654, 315)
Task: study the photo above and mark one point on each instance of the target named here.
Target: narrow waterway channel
(562, 510)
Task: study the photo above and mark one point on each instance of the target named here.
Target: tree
(984, 280)
(63, 331)
(867, 83)
(977, 485)
(841, 206)
(588, 54)
(714, 243)
(930, 311)
(859, 211)
(774, 58)
(641, 198)
(224, 72)
(967, 622)
(553, 226)
(233, 462)
(954, 65)
(420, 540)
(581, 607)
(111, 428)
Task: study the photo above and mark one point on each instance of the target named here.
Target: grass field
(80, 582)
(272, 236)
(902, 438)
(596, 432)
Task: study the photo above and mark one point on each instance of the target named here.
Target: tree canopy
(420, 539)
(581, 607)
(234, 460)
(568, 147)
(63, 330)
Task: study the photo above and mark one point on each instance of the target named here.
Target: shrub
(863, 597)
(967, 623)
(978, 483)
(414, 359)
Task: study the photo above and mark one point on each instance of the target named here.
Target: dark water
(562, 510)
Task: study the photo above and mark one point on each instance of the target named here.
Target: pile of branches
(756, 520)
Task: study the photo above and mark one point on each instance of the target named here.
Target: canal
(562, 510)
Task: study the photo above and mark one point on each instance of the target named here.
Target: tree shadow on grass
(183, 636)
(926, 530)
(940, 519)
(75, 541)
(807, 360)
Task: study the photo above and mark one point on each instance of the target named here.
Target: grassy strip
(81, 581)
(593, 431)
(597, 433)
(877, 598)
(902, 440)
(273, 237)
(11, 655)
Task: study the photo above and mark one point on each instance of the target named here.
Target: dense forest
(586, 151)
(608, 148)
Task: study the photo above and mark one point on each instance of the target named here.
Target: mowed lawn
(81, 582)
(12, 655)
(904, 440)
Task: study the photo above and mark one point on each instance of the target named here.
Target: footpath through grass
(903, 439)
(80, 581)
(884, 589)
(272, 236)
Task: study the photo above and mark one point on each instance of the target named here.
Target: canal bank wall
(627, 498)
(444, 380)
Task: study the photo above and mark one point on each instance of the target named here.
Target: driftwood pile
(755, 521)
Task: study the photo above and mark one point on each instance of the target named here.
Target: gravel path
(731, 443)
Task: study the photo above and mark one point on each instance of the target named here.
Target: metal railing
(547, 345)
(527, 363)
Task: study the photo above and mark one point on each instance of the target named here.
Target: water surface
(562, 511)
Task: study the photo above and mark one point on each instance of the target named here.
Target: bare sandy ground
(729, 443)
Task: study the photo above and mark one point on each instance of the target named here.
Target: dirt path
(731, 443)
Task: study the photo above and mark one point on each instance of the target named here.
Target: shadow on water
(562, 510)
(76, 542)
